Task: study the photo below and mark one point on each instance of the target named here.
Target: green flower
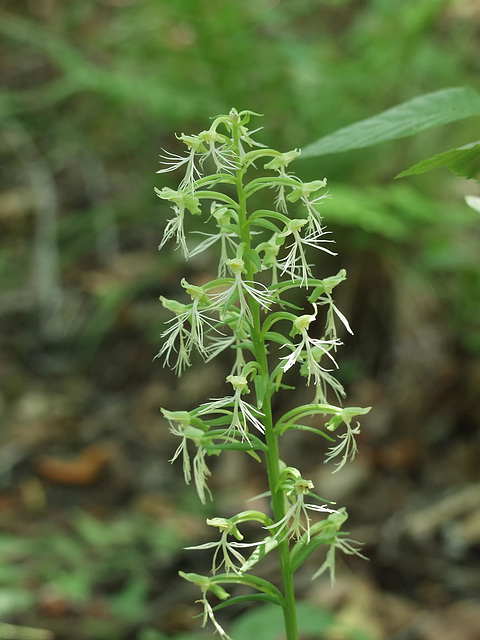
(206, 585)
(180, 425)
(187, 328)
(182, 200)
(282, 160)
(243, 414)
(305, 189)
(309, 351)
(336, 541)
(295, 263)
(228, 549)
(296, 521)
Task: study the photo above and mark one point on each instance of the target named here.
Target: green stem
(272, 454)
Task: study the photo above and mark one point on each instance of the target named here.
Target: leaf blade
(464, 161)
(401, 121)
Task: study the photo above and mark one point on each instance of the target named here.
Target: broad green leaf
(266, 623)
(464, 161)
(396, 211)
(406, 119)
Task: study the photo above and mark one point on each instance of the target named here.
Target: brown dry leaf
(83, 470)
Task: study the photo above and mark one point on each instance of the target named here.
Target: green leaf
(406, 119)
(266, 623)
(395, 212)
(464, 161)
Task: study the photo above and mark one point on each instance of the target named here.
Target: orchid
(296, 521)
(242, 291)
(181, 426)
(173, 161)
(242, 414)
(227, 548)
(295, 263)
(243, 316)
(187, 328)
(207, 585)
(279, 163)
(309, 350)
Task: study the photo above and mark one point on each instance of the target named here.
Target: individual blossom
(337, 541)
(182, 200)
(279, 163)
(296, 521)
(347, 448)
(201, 473)
(332, 311)
(295, 263)
(239, 291)
(180, 425)
(226, 548)
(173, 162)
(179, 422)
(307, 351)
(303, 192)
(199, 317)
(176, 336)
(245, 135)
(270, 250)
(325, 381)
(187, 328)
(218, 148)
(207, 585)
(242, 413)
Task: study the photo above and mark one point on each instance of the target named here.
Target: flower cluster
(250, 311)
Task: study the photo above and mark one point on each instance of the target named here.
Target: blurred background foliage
(92, 91)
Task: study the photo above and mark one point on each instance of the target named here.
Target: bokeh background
(93, 518)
